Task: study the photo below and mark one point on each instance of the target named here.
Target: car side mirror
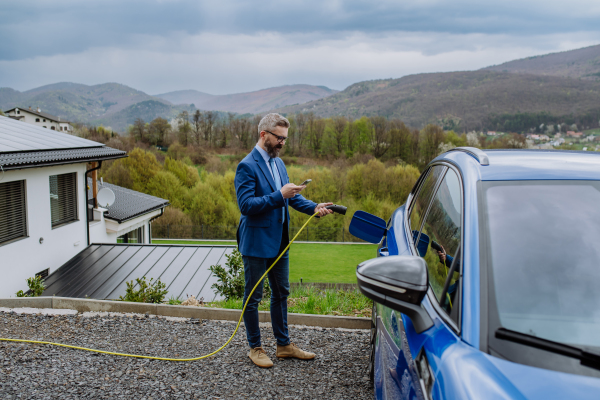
(398, 282)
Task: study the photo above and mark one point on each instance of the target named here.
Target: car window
(422, 200)
(441, 232)
(543, 253)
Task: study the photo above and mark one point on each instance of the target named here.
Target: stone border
(84, 305)
(322, 285)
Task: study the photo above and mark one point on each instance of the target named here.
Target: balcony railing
(222, 232)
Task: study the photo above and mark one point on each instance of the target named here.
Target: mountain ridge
(563, 84)
(250, 102)
(114, 104)
(581, 63)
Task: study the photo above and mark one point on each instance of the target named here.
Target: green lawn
(334, 263)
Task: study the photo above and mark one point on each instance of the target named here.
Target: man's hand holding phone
(290, 190)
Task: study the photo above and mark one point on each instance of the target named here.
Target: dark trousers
(254, 268)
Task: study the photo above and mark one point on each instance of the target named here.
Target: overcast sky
(223, 46)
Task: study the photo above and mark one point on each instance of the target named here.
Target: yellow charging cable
(165, 358)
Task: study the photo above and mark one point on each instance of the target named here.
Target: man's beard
(273, 151)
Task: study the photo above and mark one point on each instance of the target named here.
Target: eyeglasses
(280, 139)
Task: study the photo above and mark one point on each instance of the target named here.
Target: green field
(595, 132)
(332, 263)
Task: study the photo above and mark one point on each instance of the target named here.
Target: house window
(45, 126)
(44, 120)
(135, 236)
(18, 112)
(13, 211)
(53, 128)
(37, 120)
(63, 198)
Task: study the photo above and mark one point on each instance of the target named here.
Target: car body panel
(539, 383)
(536, 164)
(396, 240)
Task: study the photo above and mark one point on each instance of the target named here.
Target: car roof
(529, 164)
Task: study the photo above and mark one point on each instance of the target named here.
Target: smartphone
(306, 182)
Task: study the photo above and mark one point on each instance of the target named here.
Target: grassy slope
(334, 263)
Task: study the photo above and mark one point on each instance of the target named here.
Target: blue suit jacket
(260, 230)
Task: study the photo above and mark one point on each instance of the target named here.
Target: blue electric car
(486, 283)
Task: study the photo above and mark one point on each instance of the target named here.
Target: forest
(370, 163)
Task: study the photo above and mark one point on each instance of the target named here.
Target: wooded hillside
(462, 101)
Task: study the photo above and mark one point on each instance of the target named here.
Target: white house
(128, 219)
(44, 209)
(39, 118)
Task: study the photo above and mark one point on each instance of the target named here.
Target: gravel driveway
(39, 371)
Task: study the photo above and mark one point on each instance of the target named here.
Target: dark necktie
(277, 180)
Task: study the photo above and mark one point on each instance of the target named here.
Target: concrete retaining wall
(83, 305)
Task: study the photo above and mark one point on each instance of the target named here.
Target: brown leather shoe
(260, 358)
(291, 350)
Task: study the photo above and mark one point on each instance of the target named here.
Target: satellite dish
(105, 197)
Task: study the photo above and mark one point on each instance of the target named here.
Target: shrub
(147, 292)
(231, 279)
(36, 287)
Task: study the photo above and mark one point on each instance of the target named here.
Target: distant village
(569, 138)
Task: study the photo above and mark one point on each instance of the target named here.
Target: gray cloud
(220, 64)
(38, 28)
(234, 46)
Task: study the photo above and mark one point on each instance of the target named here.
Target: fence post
(168, 231)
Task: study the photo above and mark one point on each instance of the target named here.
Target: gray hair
(272, 120)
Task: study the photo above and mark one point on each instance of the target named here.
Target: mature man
(263, 194)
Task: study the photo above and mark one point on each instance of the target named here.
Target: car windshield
(544, 252)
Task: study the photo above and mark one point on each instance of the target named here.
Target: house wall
(98, 232)
(30, 118)
(23, 258)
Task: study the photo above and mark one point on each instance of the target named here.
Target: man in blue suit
(263, 193)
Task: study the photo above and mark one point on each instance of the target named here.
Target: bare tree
(197, 120)
(318, 131)
(184, 128)
(338, 127)
(300, 131)
(401, 140)
(430, 139)
(352, 135)
(210, 118)
(138, 130)
(158, 130)
(380, 141)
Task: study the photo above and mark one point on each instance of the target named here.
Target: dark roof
(24, 145)
(128, 203)
(22, 160)
(101, 270)
(41, 114)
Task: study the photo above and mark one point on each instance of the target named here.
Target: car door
(406, 362)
